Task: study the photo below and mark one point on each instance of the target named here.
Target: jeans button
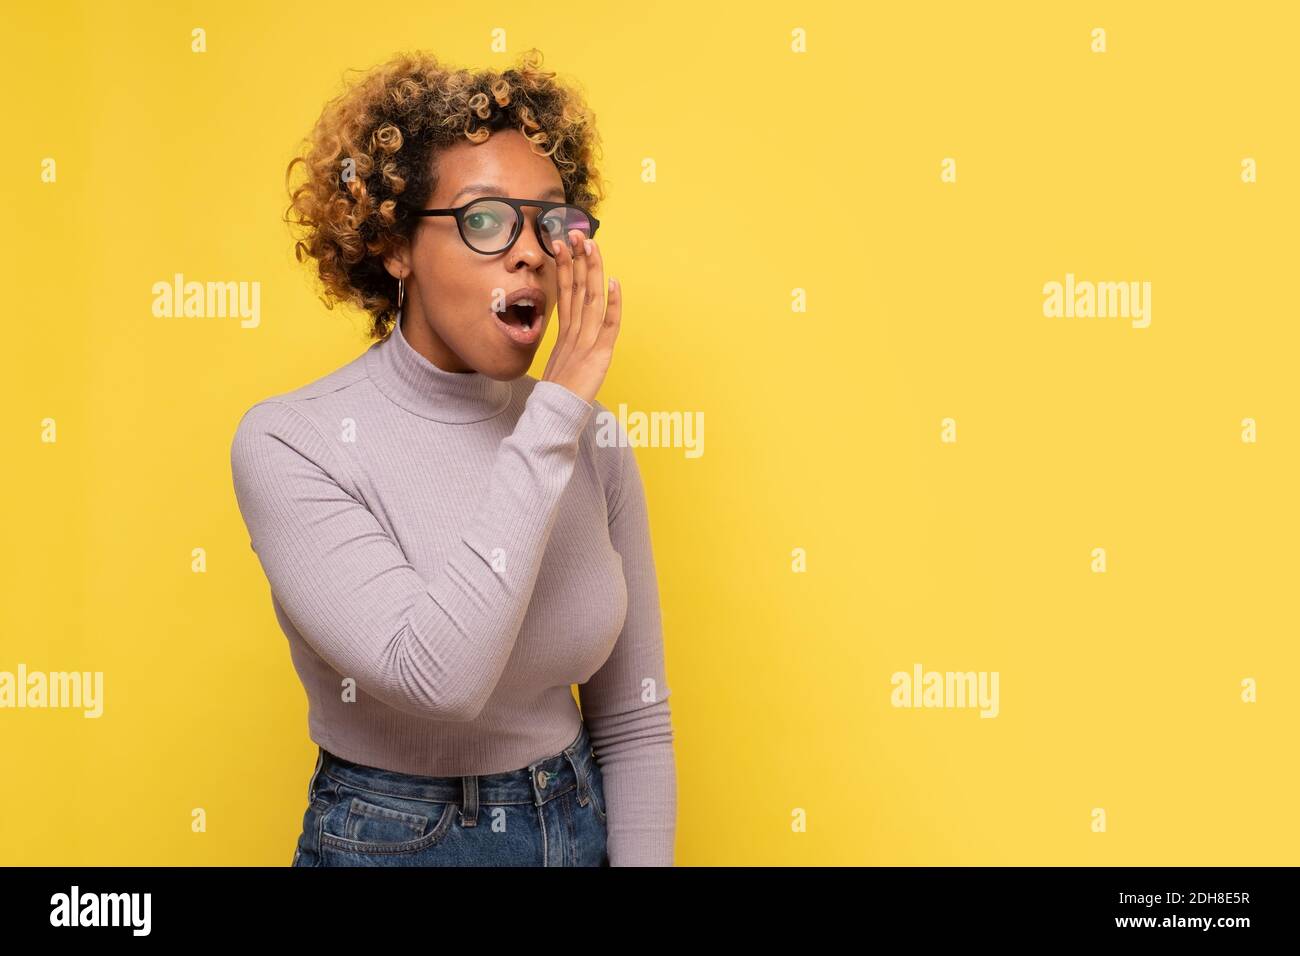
(541, 779)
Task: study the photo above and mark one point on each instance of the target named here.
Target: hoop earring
(401, 291)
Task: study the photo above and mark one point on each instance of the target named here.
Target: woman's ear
(398, 262)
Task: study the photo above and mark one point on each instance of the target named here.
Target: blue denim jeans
(550, 813)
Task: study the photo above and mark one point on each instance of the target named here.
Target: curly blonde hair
(369, 166)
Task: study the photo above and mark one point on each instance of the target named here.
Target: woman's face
(451, 290)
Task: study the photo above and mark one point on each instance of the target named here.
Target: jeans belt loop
(469, 803)
(584, 785)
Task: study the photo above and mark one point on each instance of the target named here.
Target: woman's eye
(476, 221)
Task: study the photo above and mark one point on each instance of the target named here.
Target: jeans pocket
(364, 822)
(368, 822)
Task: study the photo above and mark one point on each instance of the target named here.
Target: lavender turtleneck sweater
(464, 550)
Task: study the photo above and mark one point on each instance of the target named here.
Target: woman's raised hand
(588, 325)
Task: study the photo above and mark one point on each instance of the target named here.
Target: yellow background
(775, 171)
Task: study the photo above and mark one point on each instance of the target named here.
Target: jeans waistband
(539, 782)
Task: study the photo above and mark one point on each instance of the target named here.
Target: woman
(450, 542)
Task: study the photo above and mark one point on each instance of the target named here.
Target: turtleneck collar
(419, 386)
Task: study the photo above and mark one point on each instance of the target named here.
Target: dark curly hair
(369, 166)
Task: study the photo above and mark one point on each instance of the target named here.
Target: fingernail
(555, 247)
(586, 245)
(612, 284)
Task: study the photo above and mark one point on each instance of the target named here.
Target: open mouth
(522, 315)
(521, 322)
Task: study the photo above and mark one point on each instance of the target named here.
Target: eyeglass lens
(490, 222)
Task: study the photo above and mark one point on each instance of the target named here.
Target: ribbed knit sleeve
(433, 647)
(625, 703)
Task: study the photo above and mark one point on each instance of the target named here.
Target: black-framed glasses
(491, 224)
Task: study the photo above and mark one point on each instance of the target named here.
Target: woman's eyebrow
(491, 189)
